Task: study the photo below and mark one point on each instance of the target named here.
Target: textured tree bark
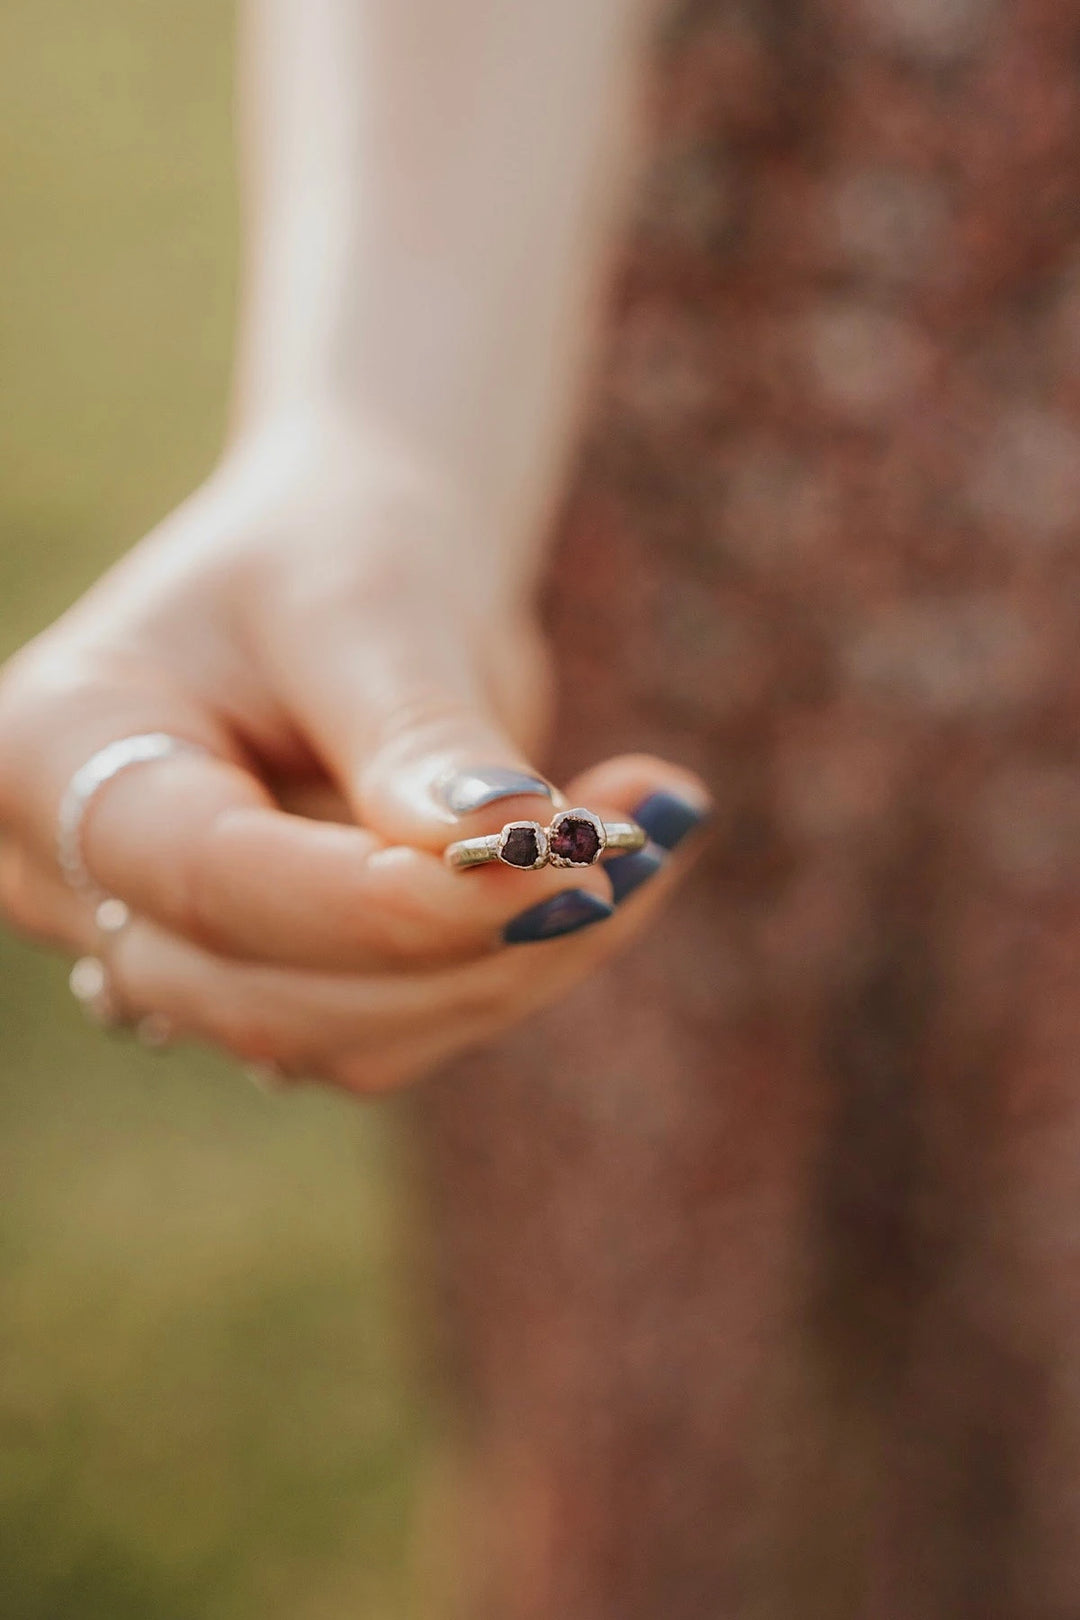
(761, 1251)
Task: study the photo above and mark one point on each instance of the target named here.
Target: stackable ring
(269, 1077)
(575, 837)
(91, 980)
(89, 778)
(91, 984)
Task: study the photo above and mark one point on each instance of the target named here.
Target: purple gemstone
(522, 847)
(575, 840)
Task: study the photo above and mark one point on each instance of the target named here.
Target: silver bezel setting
(577, 815)
(467, 853)
(541, 845)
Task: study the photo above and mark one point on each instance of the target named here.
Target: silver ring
(111, 916)
(575, 837)
(91, 985)
(89, 778)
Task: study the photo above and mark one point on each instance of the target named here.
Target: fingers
(405, 723)
(56, 712)
(195, 843)
(264, 886)
(190, 843)
(368, 1033)
(304, 1021)
(412, 742)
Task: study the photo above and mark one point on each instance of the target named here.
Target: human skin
(344, 614)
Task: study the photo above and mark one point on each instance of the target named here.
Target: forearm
(430, 191)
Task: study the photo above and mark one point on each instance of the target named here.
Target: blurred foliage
(205, 1402)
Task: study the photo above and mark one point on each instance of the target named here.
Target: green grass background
(206, 1403)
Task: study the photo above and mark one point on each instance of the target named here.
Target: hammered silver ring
(100, 768)
(92, 982)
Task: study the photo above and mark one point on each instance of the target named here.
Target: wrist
(337, 469)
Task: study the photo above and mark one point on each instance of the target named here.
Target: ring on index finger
(90, 778)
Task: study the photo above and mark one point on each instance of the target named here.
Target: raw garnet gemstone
(522, 847)
(577, 840)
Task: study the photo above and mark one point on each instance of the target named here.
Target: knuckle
(48, 689)
(424, 709)
(215, 901)
(184, 909)
(197, 917)
(252, 1031)
(195, 902)
(193, 1003)
(425, 718)
(396, 918)
(407, 937)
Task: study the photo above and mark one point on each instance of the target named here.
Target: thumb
(406, 726)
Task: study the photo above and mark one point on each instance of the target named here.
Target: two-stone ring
(575, 837)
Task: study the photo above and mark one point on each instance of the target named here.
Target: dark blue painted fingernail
(629, 872)
(667, 819)
(563, 914)
(472, 790)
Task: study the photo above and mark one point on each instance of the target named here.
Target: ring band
(91, 980)
(91, 984)
(575, 837)
(89, 778)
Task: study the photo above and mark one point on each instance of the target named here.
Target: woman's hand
(332, 628)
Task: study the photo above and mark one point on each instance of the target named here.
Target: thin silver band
(89, 778)
(93, 984)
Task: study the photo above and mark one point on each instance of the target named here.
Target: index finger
(182, 841)
(196, 842)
